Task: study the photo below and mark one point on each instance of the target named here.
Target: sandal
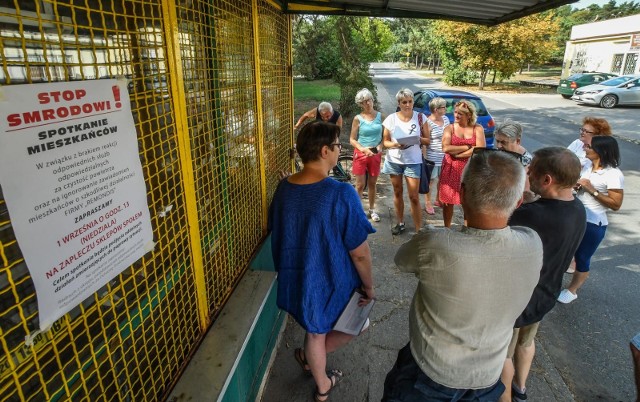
(335, 376)
(300, 358)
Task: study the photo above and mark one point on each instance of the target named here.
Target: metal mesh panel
(276, 96)
(130, 340)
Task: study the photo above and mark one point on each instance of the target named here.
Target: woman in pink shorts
(366, 139)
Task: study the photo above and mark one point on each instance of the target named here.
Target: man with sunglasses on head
(559, 218)
(473, 283)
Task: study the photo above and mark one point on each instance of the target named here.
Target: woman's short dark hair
(607, 149)
(313, 137)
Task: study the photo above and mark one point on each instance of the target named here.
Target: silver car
(623, 90)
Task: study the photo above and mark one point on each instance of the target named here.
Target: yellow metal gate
(210, 89)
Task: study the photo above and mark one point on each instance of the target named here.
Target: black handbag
(426, 168)
(425, 175)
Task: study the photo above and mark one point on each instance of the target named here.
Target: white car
(623, 90)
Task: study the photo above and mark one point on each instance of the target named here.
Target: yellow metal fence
(210, 90)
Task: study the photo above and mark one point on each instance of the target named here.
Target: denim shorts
(406, 382)
(435, 173)
(588, 246)
(412, 170)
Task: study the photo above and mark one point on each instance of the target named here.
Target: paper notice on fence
(72, 179)
(352, 319)
(410, 140)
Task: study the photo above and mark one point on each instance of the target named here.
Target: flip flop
(300, 358)
(335, 376)
(430, 210)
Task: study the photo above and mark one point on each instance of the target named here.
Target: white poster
(72, 179)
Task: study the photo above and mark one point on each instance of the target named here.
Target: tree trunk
(493, 81)
(483, 77)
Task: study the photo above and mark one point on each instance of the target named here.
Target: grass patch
(318, 90)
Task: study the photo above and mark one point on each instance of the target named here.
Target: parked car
(567, 86)
(623, 90)
(422, 98)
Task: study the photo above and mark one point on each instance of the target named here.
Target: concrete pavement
(367, 359)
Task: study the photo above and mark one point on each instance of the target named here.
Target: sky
(586, 3)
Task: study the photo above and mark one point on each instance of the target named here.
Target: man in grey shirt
(472, 285)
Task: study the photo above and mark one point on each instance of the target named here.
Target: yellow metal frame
(186, 162)
(259, 114)
(210, 151)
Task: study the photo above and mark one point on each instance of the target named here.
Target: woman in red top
(458, 142)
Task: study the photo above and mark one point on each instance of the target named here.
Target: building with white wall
(610, 46)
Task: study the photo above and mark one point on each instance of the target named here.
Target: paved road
(588, 340)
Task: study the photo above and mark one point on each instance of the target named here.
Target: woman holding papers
(320, 250)
(404, 133)
(458, 142)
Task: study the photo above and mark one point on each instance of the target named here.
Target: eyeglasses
(583, 131)
(337, 144)
(481, 150)
(406, 102)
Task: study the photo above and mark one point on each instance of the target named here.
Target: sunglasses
(481, 150)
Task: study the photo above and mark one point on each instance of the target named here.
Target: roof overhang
(485, 12)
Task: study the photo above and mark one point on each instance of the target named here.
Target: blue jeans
(590, 241)
(406, 382)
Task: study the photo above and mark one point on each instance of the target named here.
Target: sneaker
(517, 396)
(566, 296)
(374, 215)
(397, 229)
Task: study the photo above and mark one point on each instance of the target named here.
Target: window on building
(630, 63)
(616, 64)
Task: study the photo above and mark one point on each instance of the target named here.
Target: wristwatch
(595, 193)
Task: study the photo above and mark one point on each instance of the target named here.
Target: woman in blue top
(366, 139)
(319, 243)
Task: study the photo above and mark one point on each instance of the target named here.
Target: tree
(362, 41)
(415, 38)
(503, 48)
(340, 48)
(566, 17)
(314, 47)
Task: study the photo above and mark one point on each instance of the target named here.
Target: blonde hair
(470, 111)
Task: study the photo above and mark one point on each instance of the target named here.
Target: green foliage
(314, 47)
(353, 74)
(326, 90)
(340, 48)
(503, 48)
(566, 17)
(415, 42)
